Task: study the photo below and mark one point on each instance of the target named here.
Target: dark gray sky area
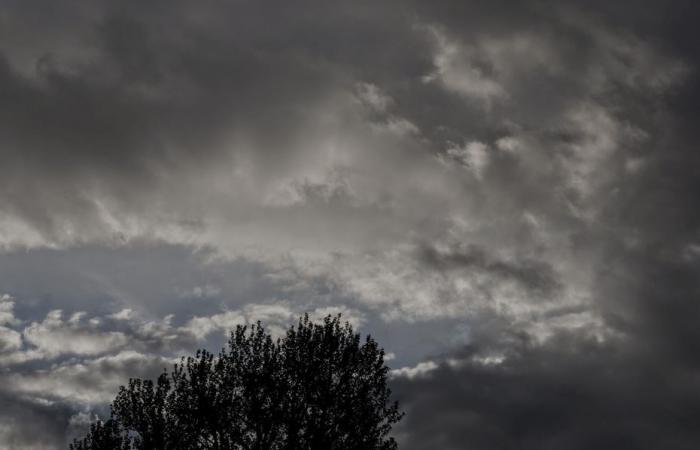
(504, 193)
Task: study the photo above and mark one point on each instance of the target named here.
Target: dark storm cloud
(531, 275)
(140, 103)
(638, 391)
(571, 393)
(647, 285)
(136, 115)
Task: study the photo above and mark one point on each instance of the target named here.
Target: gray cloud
(20, 420)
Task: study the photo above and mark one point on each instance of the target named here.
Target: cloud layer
(504, 193)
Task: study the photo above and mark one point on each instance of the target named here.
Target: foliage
(318, 387)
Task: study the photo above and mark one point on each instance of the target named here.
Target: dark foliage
(319, 387)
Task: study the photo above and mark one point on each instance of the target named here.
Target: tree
(319, 387)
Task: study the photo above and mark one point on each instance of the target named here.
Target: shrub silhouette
(319, 387)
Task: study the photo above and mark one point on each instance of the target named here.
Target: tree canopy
(320, 386)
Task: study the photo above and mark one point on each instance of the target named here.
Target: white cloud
(55, 336)
(201, 327)
(86, 382)
(10, 340)
(421, 369)
(124, 314)
(456, 68)
(473, 155)
(276, 317)
(371, 95)
(7, 306)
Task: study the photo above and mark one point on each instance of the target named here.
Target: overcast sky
(504, 193)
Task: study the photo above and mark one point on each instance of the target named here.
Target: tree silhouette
(319, 387)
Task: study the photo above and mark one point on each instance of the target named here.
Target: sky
(503, 193)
